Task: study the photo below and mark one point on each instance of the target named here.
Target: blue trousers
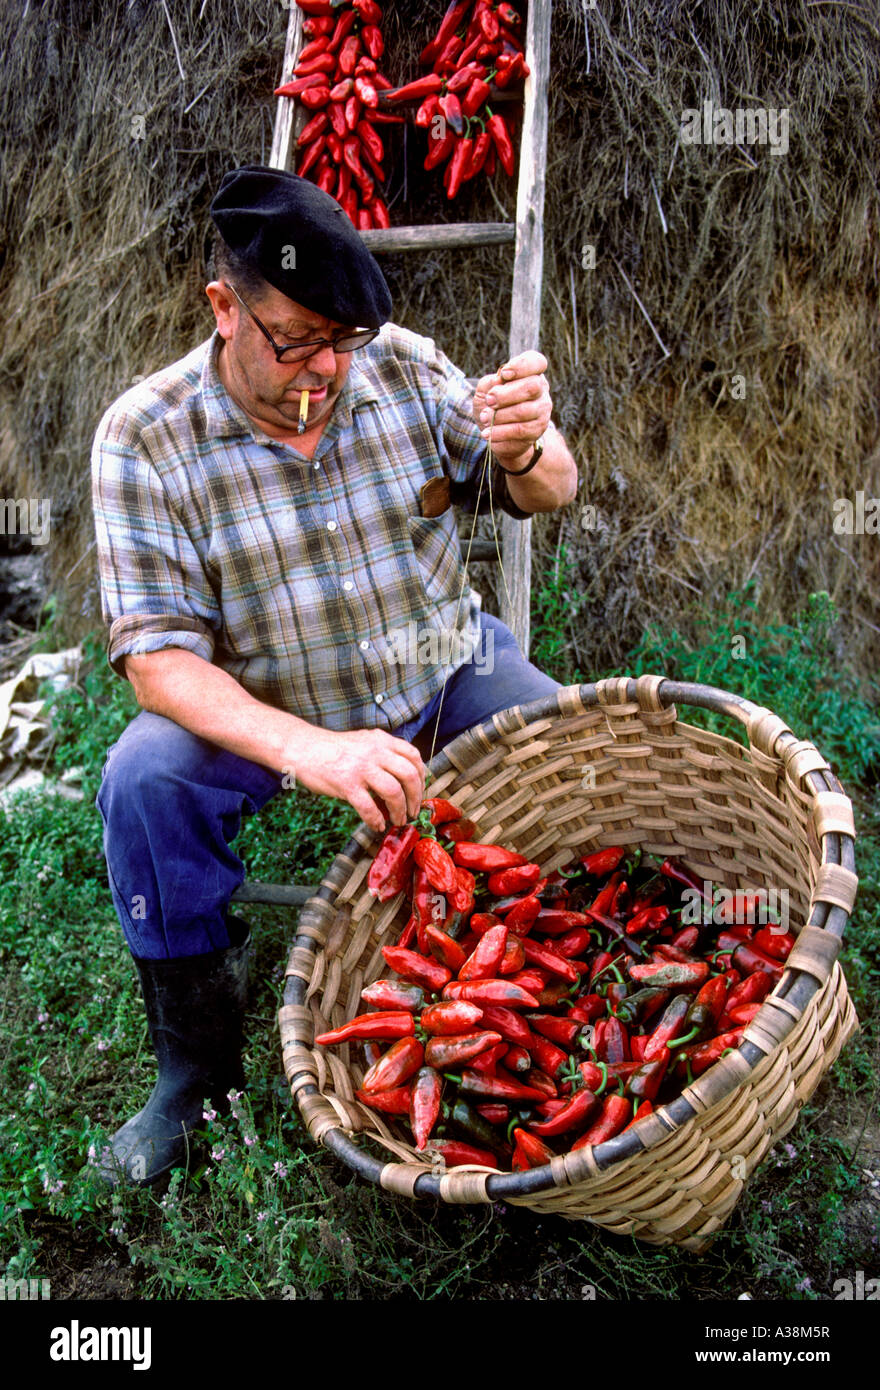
(172, 802)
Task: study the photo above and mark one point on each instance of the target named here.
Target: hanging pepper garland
(477, 51)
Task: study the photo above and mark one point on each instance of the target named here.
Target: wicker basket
(597, 765)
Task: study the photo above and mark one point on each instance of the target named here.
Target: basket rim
(767, 732)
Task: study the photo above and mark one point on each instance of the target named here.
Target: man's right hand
(370, 769)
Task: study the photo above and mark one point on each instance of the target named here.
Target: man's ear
(225, 308)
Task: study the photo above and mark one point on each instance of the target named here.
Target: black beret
(303, 243)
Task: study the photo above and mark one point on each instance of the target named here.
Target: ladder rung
(442, 234)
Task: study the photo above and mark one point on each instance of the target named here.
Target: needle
(303, 412)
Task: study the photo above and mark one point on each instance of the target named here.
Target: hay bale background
(749, 265)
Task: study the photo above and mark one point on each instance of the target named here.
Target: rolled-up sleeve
(154, 590)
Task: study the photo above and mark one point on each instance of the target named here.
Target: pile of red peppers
(534, 1014)
(337, 77)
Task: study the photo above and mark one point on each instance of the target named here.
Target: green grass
(267, 1215)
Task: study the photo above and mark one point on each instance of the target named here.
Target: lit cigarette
(303, 412)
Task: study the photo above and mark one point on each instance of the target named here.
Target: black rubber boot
(195, 1011)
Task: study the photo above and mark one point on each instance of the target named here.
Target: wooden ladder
(527, 236)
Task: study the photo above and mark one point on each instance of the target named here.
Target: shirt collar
(224, 417)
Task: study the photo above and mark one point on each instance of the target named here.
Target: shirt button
(316, 465)
(347, 584)
(379, 699)
(331, 525)
(364, 646)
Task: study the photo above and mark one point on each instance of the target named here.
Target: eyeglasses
(346, 341)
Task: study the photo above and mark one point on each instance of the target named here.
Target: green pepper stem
(685, 1038)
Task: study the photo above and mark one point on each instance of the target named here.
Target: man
(257, 577)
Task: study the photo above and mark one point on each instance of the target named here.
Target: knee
(151, 754)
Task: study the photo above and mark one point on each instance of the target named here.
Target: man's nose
(323, 361)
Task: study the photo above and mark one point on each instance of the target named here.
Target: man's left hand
(518, 398)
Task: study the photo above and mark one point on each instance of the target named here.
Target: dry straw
(741, 262)
(596, 765)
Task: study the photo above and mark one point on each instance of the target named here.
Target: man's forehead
(286, 313)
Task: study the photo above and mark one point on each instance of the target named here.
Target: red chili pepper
(410, 966)
(450, 1018)
(321, 63)
(499, 1088)
(486, 858)
(326, 179)
(315, 97)
(502, 992)
(516, 880)
(313, 128)
(508, 15)
(707, 1007)
(558, 1030)
(747, 958)
(369, 11)
(444, 949)
(741, 908)
(529, 1152)
(392, 994)
(450, 107)
(546, 1054)
(548, 959)
(390, 869)
(477, 95)
(752, 990)
(300, 84)
(554, 921)
(532, 979)
(487, 1061)
(615, 1115)
(439, 150)
(460, 829)
(454, 1050)
(637, 1045)
(497, 128)
(441, 810)
(440, 870)
(677, 974)
(672, 868)
(671, 1025)
(701, 1056)
(450, 22)
(461, 896)
(647, 920)
(687, 939)
(615, 1042)
(740, 1013)
(343, 90)
(602, 861)
(515, 71)
(646, 1108)
(575, 1114)
(366, 92)
(484, 962)
(382, 1025)
(495, 1112)
(646, 1081)
(424, 1107)
(588, 1008)
(402, 1060)
(455, 1153)
(575, 943)
(514, 957)
(373, 40)
(380, 213)
(393, 1102)
(517, 1060)
(776, 945)
(523, 914)
(417, 90)
(319, 24)
(312, 156)
(512, 1027)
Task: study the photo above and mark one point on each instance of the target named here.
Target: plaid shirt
(316, 583)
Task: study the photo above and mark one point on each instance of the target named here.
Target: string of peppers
(476, 50)
(534, 1014)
